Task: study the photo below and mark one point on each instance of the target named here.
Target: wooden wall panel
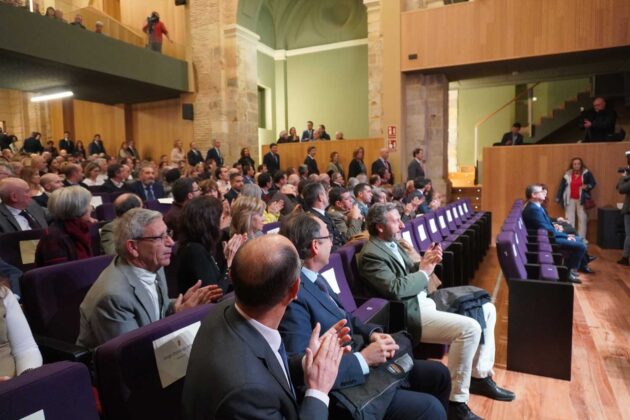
(109, 121)
(508, 170)
(293, 154)
(157, 124)
(492, 30)
(55, 109)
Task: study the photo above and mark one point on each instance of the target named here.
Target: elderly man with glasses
(131, 292)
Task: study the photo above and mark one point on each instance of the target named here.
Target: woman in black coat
(356, 165)
(246, 158)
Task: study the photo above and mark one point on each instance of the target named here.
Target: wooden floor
(600, 384)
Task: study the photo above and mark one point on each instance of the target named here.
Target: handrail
(493, 113)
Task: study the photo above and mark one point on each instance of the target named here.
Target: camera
(624, 170)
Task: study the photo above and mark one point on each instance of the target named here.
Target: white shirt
(273, 339)
(22, 221)
(312, 276)
(148, 281)
(23, 347)
(320, 211)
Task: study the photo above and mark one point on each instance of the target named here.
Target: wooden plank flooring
(600, 384)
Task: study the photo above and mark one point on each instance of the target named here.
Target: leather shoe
(586, 270)
(591, 258)
(461, 411)
(624, 261)
(488, 388)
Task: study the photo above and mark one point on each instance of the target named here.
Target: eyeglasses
(321, 238)
(162, 237)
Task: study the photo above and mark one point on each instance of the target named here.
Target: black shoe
(586, 270)
(624, 261)
(591, 258)
(460, 411)
(488, 388)
(573, 278)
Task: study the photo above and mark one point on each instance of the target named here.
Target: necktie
(149, 191)
(34, 224)
(285, 361)
(322, 284)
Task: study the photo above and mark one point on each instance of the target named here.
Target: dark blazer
(231, 195)
(109, 186)
(378, 166)
(356, 167)
(138, 188)
(535, 217)
(32, 145)
(233, 374)
(337, 237)
(67, 145)
(9, 224)
(311, 307)
(41, 199)
(508, 137)
(272, 164)
(603, 125)
(307, 135)
(311, 163)
(194, 263)
(414, 170)
(194, 157)
(96, 148)
(213, 154)
(246, 160)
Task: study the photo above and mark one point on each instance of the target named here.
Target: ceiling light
(51, 96)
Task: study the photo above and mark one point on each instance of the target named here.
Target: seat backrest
(158, 206)
(432, 225)
(52, 295)
(450, 219)
(348, 261)
(408, 235)
(129, 382)
(18, 248)
(440, 215)
(106, 211)
(422, 235)
(335, 275)
(509, 259)
(58, 391)
(273, 227)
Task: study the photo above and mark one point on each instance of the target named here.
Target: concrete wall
(267, 79)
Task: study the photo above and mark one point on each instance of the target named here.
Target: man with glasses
(131, 292)
(344, 213)
(535, 217)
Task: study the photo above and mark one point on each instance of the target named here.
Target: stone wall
(375, 68)
(21, 116)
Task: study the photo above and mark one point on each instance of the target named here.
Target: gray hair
(69, 203)
(377, 215)
(251, 190)
(352, 182)
(131, 225)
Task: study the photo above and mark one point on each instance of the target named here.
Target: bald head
(15, 192)
(264, 271)
(50, 182)
(384, 153)
(599, 103)
(125, 202)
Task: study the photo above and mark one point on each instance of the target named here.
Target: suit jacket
(508, 137)
(414, 170)
(356, 167)
(118, 303)
(337, 238)
(32, 145)
(535, 217)
(213, 154)
(107, 238)
(623, 187)
(231, 195)
(386, 277)
(234, 374)
(96, 148)
(307, 135)
(311, 307)
(9, 224)
(109, 186)
(346, 228)
(67, 145)
(138, 188)
(272, 164)
(41, 199)
(311, 163)
(379, 165)
(194, 157)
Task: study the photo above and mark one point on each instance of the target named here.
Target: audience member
(382, 165)
(32, 178)
(122, 204)
(68, 237)
(272, 159)
(323, 135)
(222, 175)
(18, 211)
(177, 153)
(49, 184)
(79, 150)
(308, 134)
(512, 137)
(390, 273)
(194, 155)
(50, 148)
(247, 217)
(66, 143)
(214, 153)
(33, 143)
(116, 176)
(184, 190)
(334, 165)
(253, 378)
(293, 136)
(339, 135)
(146, 187)
(363, 196)
(426, 393)
(155, 30)
(415, 169)
(316, 202)
(336, 180)
(131, 292)
(344, 213)
(357, 166)
(310, 161)
(574, 193)
(599, 122)
(96, 146)
(92, 171)
(623, 187)
(78, 21)
(283, 137)
(73, 174)
(265, 184)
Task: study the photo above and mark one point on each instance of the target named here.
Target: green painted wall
(475, 104)
(267, 79)
(329, 87)
(551, 95)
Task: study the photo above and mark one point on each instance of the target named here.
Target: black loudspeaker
(187, 112)
(180, 2)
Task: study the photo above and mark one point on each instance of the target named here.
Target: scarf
(80, 232)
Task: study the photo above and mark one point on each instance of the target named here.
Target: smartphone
(434, 245)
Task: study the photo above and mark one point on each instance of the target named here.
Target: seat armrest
(55, 350)
(533, 271)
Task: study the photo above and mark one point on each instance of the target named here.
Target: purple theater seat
(549, 272)
(348, 260)
(422, 236)
(52, 295)
(509, 259)
(273, 227)
(407, 234)
(10, 247)
(61, 391)
(128, 380)
(106, 211)
(157, 206)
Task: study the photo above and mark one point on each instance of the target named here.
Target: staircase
(566, 114)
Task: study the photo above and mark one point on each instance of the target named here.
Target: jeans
(582, 217)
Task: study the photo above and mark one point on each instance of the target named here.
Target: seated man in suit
(317, 303)
(316, 203)
(238, 367)
(49, 183)
(146, 187)
(308, 134)
(388, 272)
(116, 177)
(18, 211)
(345, 215)
(535, 217)
(122, 204)
(73, 174)
(310, 161)
(512, 137)
(236, 185)
(131, 292)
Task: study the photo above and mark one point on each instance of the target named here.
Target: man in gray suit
(131, 292)
(416, 166)
(18, 211)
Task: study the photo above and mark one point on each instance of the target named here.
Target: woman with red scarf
(68, 237)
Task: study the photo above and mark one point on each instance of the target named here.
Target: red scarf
(80, 232)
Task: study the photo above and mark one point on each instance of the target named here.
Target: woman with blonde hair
(177, 153)
(92, 172)
(247, 217)
(32, 177)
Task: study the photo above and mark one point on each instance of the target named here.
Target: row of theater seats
(540, 302)
(127, 377)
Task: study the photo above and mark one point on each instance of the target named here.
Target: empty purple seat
(10, 249)
(273, 227)
(511, 262)
(349, 263)
(408, 235)
(105, 212)
(158, 206)
(129, 383)
(58, 391)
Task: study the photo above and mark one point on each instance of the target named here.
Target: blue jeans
(575, 249)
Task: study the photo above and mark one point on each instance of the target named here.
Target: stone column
(426, 123)
(375, 68)
(224, 59)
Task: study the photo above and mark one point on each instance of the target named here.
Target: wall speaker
(187, 112)
(180, 2)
